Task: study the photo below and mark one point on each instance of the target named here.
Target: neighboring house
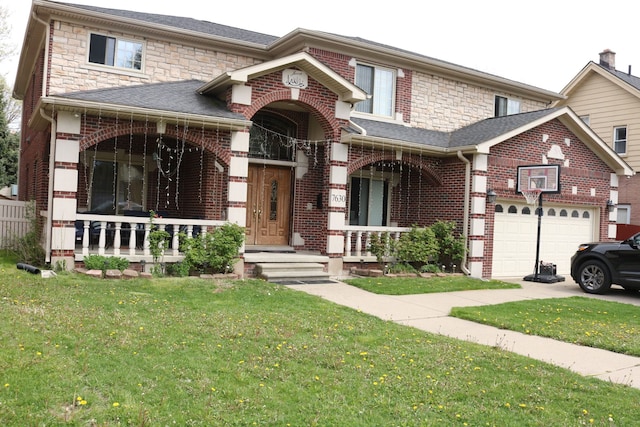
(608, 100)
(312, 141)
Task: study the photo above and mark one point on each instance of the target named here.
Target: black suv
(596, 266)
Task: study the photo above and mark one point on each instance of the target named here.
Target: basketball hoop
(532, 196)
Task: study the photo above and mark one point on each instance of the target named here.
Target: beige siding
(609, 105)
(163, 61)
(445, 105)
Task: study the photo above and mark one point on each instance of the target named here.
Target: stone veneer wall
(163, 61)
(445, 105)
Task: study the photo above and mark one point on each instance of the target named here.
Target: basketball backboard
(545, 178)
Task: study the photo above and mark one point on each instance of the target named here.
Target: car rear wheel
(593, 277)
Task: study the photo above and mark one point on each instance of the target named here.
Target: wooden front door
(268, 205)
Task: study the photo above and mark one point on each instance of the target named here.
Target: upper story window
(506, 106)
(620, 139)
(380, 84)
(115, 52)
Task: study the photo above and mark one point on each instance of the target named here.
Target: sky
(543, 43)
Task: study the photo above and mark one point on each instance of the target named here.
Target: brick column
(337, 202)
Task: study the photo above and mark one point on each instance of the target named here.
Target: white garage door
(562, 229)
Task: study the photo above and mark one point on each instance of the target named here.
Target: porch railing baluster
(146, 249)
(133, 230)
(347, 245)
(102, 240)
(117, 238)
(174, 241)
(85, 237)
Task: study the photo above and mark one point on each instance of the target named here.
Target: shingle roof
(474, 134)
(488, 129)
(403, 133)
(190, 24)
(176, 97)
(626, 77)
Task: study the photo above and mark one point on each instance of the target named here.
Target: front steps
(289, 268)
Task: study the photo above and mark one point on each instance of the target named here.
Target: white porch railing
(357, 240)
(128, 236)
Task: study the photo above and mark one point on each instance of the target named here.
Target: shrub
(101, 262)
(215, 250)
(450, 246)
(28, 248)
(382, 246)
(419, 246)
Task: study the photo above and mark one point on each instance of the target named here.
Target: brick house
(311, 141)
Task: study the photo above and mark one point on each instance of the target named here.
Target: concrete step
(292, 271)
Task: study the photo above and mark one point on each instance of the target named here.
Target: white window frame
(513, 106)
(380, 94)
(117, 43)
(617, 140)
(625, 211)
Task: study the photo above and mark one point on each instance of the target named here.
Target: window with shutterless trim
(379, 83)
(620, 139)
(506, 106)
(115, 52)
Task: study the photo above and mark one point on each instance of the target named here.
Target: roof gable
(347, 91)
(625, 81)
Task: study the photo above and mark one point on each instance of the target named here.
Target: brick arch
(318, 109)
(416, 162)
(192, 136)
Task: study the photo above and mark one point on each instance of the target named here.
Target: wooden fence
(13, 221)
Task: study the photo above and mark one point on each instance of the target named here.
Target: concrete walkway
(430, 312)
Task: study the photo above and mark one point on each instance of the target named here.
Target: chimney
(608, 59)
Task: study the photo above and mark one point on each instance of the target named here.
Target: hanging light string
(264, 137)
(84, 156)
(144, 160)
(130, 166)
(114, 198)
(185, 131)
(201, 162)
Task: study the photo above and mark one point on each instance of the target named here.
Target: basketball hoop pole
(537, 267)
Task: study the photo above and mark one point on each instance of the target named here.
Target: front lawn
(586, 321)
(418, 285)
(78, 351)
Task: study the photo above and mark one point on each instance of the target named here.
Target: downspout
(52, 163)
(52, 145)
(465, 221)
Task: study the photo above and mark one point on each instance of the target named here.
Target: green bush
(101, 262)
(28, 249)
(382, 246)
(214, 251)
(419, 246)
(450, 246)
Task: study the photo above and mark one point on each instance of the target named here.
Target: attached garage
(563, 228)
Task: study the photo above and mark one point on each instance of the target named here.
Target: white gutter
(52, 164)
(465, 221)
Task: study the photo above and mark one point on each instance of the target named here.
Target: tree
(9, 111)
(9, 142)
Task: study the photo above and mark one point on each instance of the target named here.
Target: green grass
(580, 320)
(417, 285)
(192, 352)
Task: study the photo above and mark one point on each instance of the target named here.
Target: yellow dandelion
(115, 404)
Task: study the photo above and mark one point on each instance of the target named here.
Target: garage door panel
(515, 237)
